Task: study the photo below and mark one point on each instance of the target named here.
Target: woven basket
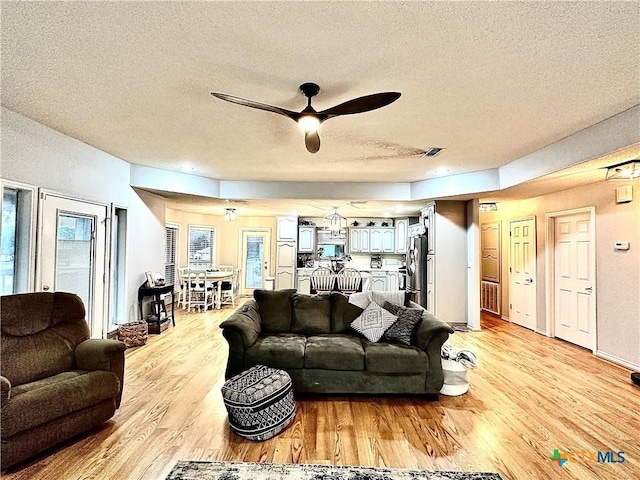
(133, 334)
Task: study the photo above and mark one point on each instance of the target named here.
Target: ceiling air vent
(432, 152)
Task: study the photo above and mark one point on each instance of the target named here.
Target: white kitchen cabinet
(284, 280)
(402, 234)
(428, 218)
(354, 240)
(393, 280)
(285, 265)
(431, 285)
(306, 239)
(382, 240)
(379, 281)
(365, 240)
(388, 240)
(304, 282)
(414, 230)
(359, 239)
(287, 229)
(376, 240)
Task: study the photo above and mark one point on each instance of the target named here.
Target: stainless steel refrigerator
(417, 269)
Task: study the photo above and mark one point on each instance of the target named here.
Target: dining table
(214, 276)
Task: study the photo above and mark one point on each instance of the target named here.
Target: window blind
(171, 247)
(201, 247)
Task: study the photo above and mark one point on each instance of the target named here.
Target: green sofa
(310, 337)
(56, 382)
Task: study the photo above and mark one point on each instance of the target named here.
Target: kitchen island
(383, 279)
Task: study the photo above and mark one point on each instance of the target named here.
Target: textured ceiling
(488, 81)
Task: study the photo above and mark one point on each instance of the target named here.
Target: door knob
(529, 280)
(45, 288)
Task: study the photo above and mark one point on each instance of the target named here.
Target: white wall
(37, 155)
(617, 273)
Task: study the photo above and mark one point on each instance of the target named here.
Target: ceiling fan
(309, 119)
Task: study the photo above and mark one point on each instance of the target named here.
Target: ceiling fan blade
(260, 106)
(312, 141)
(362, 104)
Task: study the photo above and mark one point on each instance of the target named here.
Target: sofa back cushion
(343, 313)
(311, 314)
(275, 309)
(40, 332)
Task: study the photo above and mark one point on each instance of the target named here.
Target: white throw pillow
(360, 299)
(395, 297)
(373, 322)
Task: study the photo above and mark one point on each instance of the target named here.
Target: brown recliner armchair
(56, 382)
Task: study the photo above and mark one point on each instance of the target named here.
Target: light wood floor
(529, 396)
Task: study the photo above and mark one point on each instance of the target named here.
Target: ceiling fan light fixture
(308, 123)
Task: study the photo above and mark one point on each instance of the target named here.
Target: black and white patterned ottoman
(260, 402)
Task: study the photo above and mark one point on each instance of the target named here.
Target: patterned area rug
(267, 471)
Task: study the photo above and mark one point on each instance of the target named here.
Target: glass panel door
(74, 255)
(255, 259)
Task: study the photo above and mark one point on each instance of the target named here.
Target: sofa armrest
(429, 327)
(98, 354)
(241, 330)
(246, 322)
(430, 336)
(5, 389)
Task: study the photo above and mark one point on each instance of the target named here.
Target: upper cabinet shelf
(372, 239)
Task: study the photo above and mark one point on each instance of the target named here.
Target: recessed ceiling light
(187, 168)
(441, 170)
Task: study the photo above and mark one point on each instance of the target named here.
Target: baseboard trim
(617, 361)
(505, 318)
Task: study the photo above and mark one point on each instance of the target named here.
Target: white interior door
(574, 280)
(522, 284)
(72, 254)
(255, 251)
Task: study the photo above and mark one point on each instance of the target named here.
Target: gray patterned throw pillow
(373, 322)
(408, 320)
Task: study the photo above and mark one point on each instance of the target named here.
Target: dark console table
(155, 292)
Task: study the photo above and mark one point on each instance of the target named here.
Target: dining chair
(322, 280)
(229, 289)
(349, 280)
(183, 283)
(201, 292)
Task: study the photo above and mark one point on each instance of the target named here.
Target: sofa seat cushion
(393, 358)
(284, 350)
(38, 402)
(334, 352)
